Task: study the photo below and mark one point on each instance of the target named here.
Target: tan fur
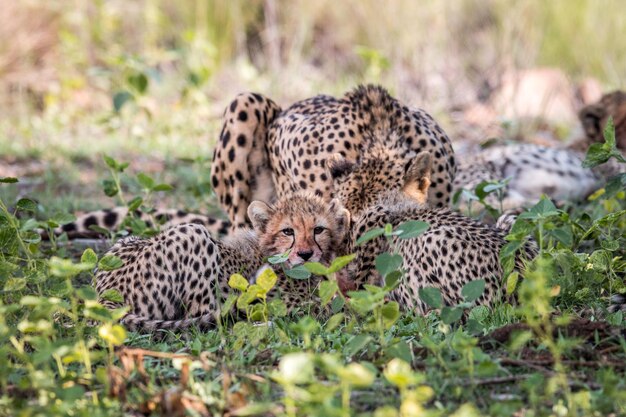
(453, 251)
(265, 152)
(180, 277)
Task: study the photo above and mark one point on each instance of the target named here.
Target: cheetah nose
(305, 255)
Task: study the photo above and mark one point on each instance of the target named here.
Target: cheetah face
(310, 229)
(360, 185)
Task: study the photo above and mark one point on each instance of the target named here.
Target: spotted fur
(179, 278)
(452, 252)
(113, 219)
(265, 152)
(557, 172)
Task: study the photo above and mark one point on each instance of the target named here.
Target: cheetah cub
(452, 252)
(179, 278)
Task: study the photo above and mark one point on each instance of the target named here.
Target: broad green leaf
(340, 262)
(65, 268)
(450, 315)
(111, 163)
(400, 350)
(267, 279)
(279, 258)
(139, 82)
(334, 321)
(369, 235)
(113, 296)
(399, 373)
(110, 263)
(431, 296)
(356, 344)
(120, 99)
(392, 280)
(8, 180)
(238, 282)
(277, 308)
(511, 282)
(386, 263)
(411, 229)
(228, 304)
(356, 375)
(113, 334)
(110, 188)
(391, 313)
(296, 368)
(298, 272)
(145, 181)
(316, 268)
(327, 290)
(14, 284)
(337, 304)
(26, 204)
(87, 293)
(162, 187)
(89, 257)
(473, 290)
(135, 203)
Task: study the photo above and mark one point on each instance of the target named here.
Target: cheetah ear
(342, 217)
(591, 117)
(417, 177)
(259, 214)
(338, 166)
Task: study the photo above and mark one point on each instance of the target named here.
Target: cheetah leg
(240, 171)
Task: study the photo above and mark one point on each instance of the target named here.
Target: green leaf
(139, 82)
(473, 290)
(340, 262)
(391, 313)
(26, 204)
(400, 350)
(110, 263)
(267, 279)
(511, 282)
(277, 308)
(278, 258)
(327, 290)
(89, 257)
(135, 203)
(8, 180)
(334, 321)
(386, 263)
(145, 181)
(162, 187)
(356, 344)
(298, 272)
(120, 99)
(113, 296)
(111, 163)
(411, 229)
(316, 268)
(228, 304)
(14, 284)
(110, 188)
(113, 334)
(238, 282)
(450, 315)
(431, 296)
(369, 235)
(392, 280)
(87, 293)
(337, 304)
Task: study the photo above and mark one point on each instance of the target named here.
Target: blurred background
(148, 80)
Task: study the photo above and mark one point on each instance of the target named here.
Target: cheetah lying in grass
(179, 278)
(452, 252)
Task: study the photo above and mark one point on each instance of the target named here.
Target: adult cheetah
(265, 152)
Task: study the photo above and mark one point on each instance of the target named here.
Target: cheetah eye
(318, 230)
(287, 231)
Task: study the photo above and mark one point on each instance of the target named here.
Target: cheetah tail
(135, 322)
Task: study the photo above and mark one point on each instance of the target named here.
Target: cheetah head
(302, 224)
(360, 185)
